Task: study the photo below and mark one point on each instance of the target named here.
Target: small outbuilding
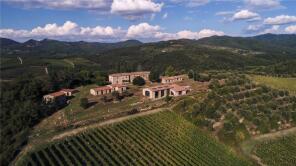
(69, 92)
(162, 91)
(172, 79)
(57, 97)
(108, 89)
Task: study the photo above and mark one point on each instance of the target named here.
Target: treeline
(22, 106)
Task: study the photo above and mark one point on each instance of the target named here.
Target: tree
(116, 95)
(154, 76)
(168, 98)
(139, 81)
(84, 103)
(190, 74)
(170, 71)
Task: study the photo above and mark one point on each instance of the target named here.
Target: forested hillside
(222, 52)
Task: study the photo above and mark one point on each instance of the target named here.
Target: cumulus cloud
(142, 30)
(62, 4)
(263, 4)
(245, 15)
(191, 3)
(68, 31)
(273, 29)
(254, 28)
(279, 20)
(291, 29)
(133, 9)
(155, 33)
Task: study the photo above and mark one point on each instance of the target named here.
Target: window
(162, 93)
(147, 93)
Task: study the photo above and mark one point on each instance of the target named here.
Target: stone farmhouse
(122, 78)
(161, 91)
(108, 89)
(172, 79)
(59, 97)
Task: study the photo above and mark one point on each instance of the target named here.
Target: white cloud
(155, 33)
(165, 15)
(62, 4)
(68, 31)
(291, 29)
(263, 4)
(142, 30)
(133, 9)
(245, 15)
(278, 20)
(273, 29)
(208, 32)
(191, 3)
(254, 28)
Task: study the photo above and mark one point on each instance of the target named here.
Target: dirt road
(249, 145)
(108, 122)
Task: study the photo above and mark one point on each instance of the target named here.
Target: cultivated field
(160, 139)
(278, 152)
(277, 82)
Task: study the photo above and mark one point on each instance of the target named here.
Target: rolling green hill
(160, 139)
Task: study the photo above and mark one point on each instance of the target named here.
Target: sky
(144, 20)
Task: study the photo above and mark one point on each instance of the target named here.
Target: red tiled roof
(102, 88)
(179, 88)
(68, 90)
(116, 85)
(131, 73)
(160, 87)
(57, 94)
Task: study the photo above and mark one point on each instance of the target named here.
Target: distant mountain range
(279, 44)
(216, 52)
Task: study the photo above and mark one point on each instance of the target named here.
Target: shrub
(84, 103)
(168, 98)
(133, 111)
(139, 81)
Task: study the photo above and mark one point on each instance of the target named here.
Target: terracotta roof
(102, 88)
(179, 88)
(57, 94)
(160, 87)
(131, 73)
(68, 90)
(116, 85)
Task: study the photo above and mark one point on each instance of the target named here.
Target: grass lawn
(277, 82)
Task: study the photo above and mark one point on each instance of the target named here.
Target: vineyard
(236, 108)
(278, 152)
(160, 139)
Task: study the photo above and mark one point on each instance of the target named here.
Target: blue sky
(145, 20)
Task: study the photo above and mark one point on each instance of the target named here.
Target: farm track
(249, 145)
(107, 122)
(81, 129)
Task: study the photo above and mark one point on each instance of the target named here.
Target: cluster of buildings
(119, 81)
(167, 88)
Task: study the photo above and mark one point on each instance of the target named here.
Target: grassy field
(163, 138)
(277, 82)
(278, 152)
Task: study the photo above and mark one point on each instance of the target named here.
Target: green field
(277, 82)
(163, 138)
(278, 152)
